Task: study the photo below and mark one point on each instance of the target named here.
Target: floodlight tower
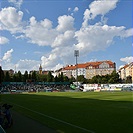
(76, 54)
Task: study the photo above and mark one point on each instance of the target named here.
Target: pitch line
(55, 119)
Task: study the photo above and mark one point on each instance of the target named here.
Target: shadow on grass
(75, 113)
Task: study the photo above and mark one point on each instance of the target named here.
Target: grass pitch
(78, 112)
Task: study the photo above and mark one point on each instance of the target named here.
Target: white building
(89, 69)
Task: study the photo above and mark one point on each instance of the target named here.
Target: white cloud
(17, 3)
(69, 9)
(7, 65)
(10, 19)
(46, 23)
(99, 7)
(65, 39)
(57, 67)
(65, 23)
(19, 37)
(3, 40)
(127, 59)
(50, 61)
(120, 67)
(127, 33)
(96, 37)
(28, 65)
(40, 33)
(76, 9)
(43, 34)
(7, 56)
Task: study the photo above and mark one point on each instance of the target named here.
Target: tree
(104, 80)
(19, 76)
(129, 79)
(72, 79)
(29, 77)
(61, 77)
(25, 76)
(1, 75)
(81, 78)
(96, 79)
(49, 77)
(34, 76)
(7, 77)
(41, 77)
(114, 77)
(56, 79)
(66, 79)
(14, 78)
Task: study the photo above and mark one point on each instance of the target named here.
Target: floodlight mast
(76, 54)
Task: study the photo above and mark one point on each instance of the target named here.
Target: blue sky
(34, 32)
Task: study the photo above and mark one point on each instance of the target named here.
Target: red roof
(85, 65)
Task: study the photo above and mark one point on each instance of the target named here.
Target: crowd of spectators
(19, 88)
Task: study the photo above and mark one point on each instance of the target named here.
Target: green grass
(99, 112)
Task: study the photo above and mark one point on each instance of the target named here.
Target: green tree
(129, 79)
(56, 79)
(96, 79)
(14, 78)
(7, 77)
(61, 77)
(1, 75)
(25, 76)
(104, 80)
(34, 76)
(19, 76)
(29, 77)
(81, 78)
(114, 78)
(66, 79)
(49, 77)
(41, 77)
(72, 79)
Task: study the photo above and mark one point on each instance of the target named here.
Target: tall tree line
(19, 77)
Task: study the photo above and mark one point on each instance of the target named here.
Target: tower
(40, 69)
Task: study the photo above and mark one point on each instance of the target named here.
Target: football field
(77, 112)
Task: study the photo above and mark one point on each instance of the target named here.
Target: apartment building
(126, 71)
(99, 68)
(74, 70)
(89, 69)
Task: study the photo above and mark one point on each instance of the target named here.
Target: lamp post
(76, 54)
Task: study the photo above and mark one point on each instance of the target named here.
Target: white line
(3, 131)
(55, 119)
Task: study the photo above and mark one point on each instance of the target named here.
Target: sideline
(2, 130)
(61, 121)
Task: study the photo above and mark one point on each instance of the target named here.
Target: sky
(47, 32)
